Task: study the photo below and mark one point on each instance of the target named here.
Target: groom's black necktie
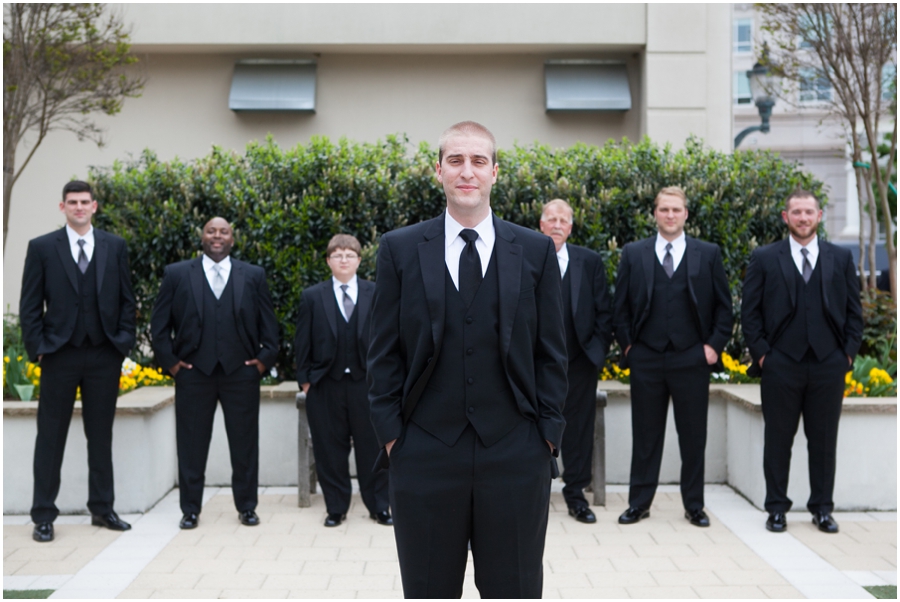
(470, 275)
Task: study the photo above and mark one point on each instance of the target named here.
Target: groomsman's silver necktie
(218, 282)
(807, 266)
(348, 303)
(668, 262)
(82, 257)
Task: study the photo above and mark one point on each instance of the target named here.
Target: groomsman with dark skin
(587, 317)
(467, 378)
(214, 329)
(802, 320)
(331, 344)
(77, 313)
(672, 318)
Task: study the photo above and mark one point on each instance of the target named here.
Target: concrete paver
(292, 555)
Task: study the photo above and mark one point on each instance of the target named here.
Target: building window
(814, 88)
(888, 82)
(743, 29)
(741, 90)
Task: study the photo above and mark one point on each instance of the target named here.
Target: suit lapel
(648, 256)
(692, 257)
(101, 252)
(509, 269)
(574, 277)
(65, 255)
(328, 301)
(827, 261)
(789, 269)
(198, 280)
(431, 262)
(363, 301)
(237, 282)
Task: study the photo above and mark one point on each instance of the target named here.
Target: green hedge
(286, 203)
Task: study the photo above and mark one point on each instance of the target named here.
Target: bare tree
(61, 63)
(853, 48)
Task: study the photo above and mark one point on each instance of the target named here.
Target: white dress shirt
(562, 256)
(225, 266)
(74, 237)
(678, 247)
(812, 247)
(455, 244)
(352, 292)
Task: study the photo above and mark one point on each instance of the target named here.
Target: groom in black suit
(672, 318)
(214, 329)
(331, 344)
(78, 321)
(467, 379)
(802, 320)
(587, 317)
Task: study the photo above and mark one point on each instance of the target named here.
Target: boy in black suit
(331, 343)
(81, 275)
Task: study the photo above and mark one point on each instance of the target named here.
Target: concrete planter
(866, 476)
(144, 457)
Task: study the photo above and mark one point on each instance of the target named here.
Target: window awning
(273, 85)
(586, 85)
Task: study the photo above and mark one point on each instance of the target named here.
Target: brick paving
(291, 555)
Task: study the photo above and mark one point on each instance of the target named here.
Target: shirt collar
(351, 284)
(225, 264)
(812, 246)
(678, 243)
(563, 252)
(74, 236)
(485, 229)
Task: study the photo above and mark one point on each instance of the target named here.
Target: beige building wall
(408, 69)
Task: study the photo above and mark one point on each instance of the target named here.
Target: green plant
(285, 204)
(871, 378)
(879, 318)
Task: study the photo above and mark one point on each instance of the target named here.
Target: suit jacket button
(471, 410)
(470, 351)
(470, 380)
(428, 361)
(469, 320)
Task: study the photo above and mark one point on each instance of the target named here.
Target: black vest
(469, 383)
(347, 353)
(219, 340)
(87, 323)
(671, 322)
(573, 346)
(808, 327)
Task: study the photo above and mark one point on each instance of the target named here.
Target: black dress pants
(338, 410)
(96, 370)
(816, 390)
(655, 376)
(497, 497)
(577, 445)
(196, 396)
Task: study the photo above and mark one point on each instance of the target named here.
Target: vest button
(470, 351)
(428, 361)
(469, 320)
(470, 380)
(471, 410)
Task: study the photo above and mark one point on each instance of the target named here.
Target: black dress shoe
(825, 522)
(777, 522)
(249, 518)
(697, 517)
(43, 532)
(110, 520)
(333, 520)
(633, 515)
(189, 521)
(382, 518)
(583, 514)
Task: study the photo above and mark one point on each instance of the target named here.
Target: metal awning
(273, 85)
(586, 85)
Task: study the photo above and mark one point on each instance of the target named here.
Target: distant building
(552, 73)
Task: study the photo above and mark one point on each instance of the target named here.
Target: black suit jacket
(770, 297)
(176, 324)
(316, 340)
(591, 311)
(408, 324)
(707, 285)
(51, 278)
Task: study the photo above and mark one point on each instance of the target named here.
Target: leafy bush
(285, 204)
(879, 321)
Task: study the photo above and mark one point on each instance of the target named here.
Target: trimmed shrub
(285, 204)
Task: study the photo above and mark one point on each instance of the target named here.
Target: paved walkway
(291, 555)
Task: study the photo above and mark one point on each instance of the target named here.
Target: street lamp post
(760, 85)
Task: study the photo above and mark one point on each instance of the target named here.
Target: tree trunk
(873, 230)
(860, 264)
(9, 166)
